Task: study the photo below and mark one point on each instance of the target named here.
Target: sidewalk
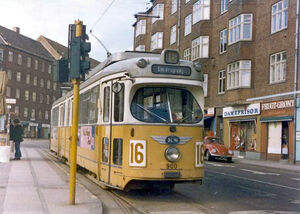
(270, 164)
(35, 184)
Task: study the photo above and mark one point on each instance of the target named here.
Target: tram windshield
(165, 105)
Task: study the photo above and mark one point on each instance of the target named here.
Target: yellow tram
(140, 121)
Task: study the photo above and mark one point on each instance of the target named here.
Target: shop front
(209, 122)
(277, 129)
(241, 128)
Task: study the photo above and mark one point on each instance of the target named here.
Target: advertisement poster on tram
(87, 137)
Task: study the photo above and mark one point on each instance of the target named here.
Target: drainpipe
(178, 25)
(296, 74)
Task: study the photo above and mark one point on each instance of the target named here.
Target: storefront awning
(274, 119)
(243, 119)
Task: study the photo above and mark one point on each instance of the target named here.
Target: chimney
(16, 29)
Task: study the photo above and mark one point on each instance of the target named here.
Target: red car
(215, 148)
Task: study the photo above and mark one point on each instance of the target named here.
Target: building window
(42, 83)
(157, 41)
(47, 99)
(33, 96)
(140, 27)
(9, 74)
(25, 112)
(27, 78)
(41, 98)
(28, 62)
(46, 115)
(17, 110)
(201, 10)
(278, 67)
(188, 25)
(205, 83)
(1, 54)
(18, 93)
(279, 16)
(221, 85)
(224, 6)
(40, 114)
(18, 76)
(174, 6)
(26, 95)
(158, 10)
(48, 84)
(43, 67)
(200, 47)
(54, 86)
(34, 81)
(173, 35)
(223, 41)
(19, 59)
(49, 69)
(10, 56)
(8, 91)
(240, 28)
(239, 74)
(140, 48)
(32, 113)
(187, 54)
(36, 64)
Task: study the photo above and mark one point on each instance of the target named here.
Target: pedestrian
(17, 137)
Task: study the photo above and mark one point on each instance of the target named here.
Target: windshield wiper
(153, 114)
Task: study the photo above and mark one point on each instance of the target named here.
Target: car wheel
(209, 157)
(229, 160)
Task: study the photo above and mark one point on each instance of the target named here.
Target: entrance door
(106, 132)
(274, 138)
(285, 140)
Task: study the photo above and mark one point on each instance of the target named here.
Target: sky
(51, 19)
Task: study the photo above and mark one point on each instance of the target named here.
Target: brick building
(247, 50)
(30, 89)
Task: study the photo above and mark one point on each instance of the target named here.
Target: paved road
(228, 188)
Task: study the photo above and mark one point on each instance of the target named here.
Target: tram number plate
(171, 166)
(172, 174)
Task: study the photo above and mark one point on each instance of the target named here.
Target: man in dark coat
(17, 137)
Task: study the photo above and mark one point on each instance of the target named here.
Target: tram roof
(120, 62)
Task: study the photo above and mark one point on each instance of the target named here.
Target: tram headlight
(172, 154)
(141, 63)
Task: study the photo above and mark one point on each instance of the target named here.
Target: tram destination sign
(171, 70)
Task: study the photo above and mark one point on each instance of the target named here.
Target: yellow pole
(73, 155)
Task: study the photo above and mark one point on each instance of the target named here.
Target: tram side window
(118, 151)
(119, 105)
(54, 115)
(105, 145)
(62, 115)
(106, 104)
(88, 107)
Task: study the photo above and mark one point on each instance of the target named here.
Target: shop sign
(10, 101)
(277, 105)
(45, 125)
(252, 109)
(297, 136)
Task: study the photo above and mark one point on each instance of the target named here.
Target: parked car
(215, 148)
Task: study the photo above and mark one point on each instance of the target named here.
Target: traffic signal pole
(73, 154)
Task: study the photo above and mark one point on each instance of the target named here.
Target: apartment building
(247, 49)
(30, 90)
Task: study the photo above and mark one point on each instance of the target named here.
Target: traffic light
(78, 53)
(61, 71)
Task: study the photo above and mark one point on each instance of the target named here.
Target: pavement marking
(216, 164)
(296, 179)
(260, 173)
(254, 180)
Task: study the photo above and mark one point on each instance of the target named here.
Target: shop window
(105, 144)
(243, 136)
(118, 151)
